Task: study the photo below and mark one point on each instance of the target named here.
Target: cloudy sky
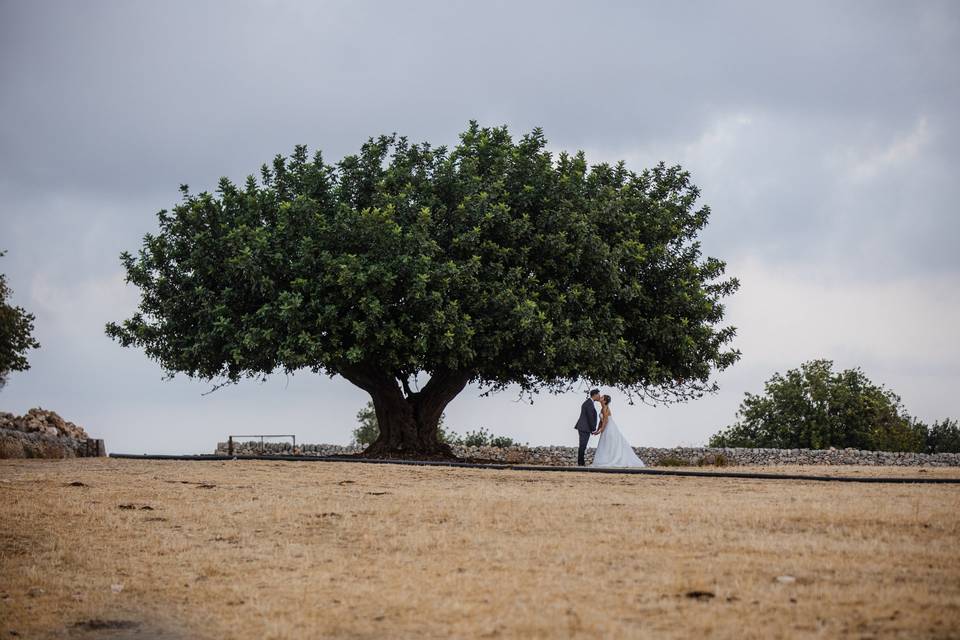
(824, 136)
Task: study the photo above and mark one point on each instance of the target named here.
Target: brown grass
(246, 549)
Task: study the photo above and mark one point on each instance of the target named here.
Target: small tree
(814, 408)
(496, 263)
(16, 333)
(367, 430)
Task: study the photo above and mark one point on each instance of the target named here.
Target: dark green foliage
(367, 430)
(483, 438)
(16, 334)
(494, 263)
(479, 438)
(943, 437)
(814, 408)
(672, 461)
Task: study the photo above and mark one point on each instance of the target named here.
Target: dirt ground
(112, 548)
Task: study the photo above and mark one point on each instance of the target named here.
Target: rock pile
(40, 433)
(41, 421)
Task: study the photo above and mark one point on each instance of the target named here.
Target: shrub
(479, 438)
(943, 437)
(815, 408)
(714, 460)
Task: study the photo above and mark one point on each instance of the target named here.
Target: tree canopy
(493, 263)
(814, 407)
(16, 334)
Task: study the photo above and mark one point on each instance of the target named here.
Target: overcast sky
(824, 136)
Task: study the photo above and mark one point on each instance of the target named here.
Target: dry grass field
(251, 549)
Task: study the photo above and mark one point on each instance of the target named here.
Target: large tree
(494, 263)
(16, 334)
(814, 407)
(367, 430)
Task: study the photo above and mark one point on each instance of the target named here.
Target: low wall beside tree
(43, 434)
(653, 456)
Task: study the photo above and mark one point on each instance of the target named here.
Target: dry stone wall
(677, 456)
(40, 433)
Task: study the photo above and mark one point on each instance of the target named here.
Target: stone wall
(677, 456)
(43, 434)
(286, 449)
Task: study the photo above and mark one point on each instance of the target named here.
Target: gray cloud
(823, 135)
(135, 95)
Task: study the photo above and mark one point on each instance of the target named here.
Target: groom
(587, 424)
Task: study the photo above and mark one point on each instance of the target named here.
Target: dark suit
(585, 424)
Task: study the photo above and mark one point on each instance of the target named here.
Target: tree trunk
(408, 422)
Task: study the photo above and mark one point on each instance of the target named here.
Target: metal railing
(261, 436)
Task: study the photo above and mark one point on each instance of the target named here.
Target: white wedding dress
(613, 450)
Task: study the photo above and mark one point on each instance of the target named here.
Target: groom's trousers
(584, 439)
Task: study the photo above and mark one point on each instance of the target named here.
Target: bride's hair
(607, 399)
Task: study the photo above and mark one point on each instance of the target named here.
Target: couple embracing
(613, 450)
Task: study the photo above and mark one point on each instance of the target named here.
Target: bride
(613, 450)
